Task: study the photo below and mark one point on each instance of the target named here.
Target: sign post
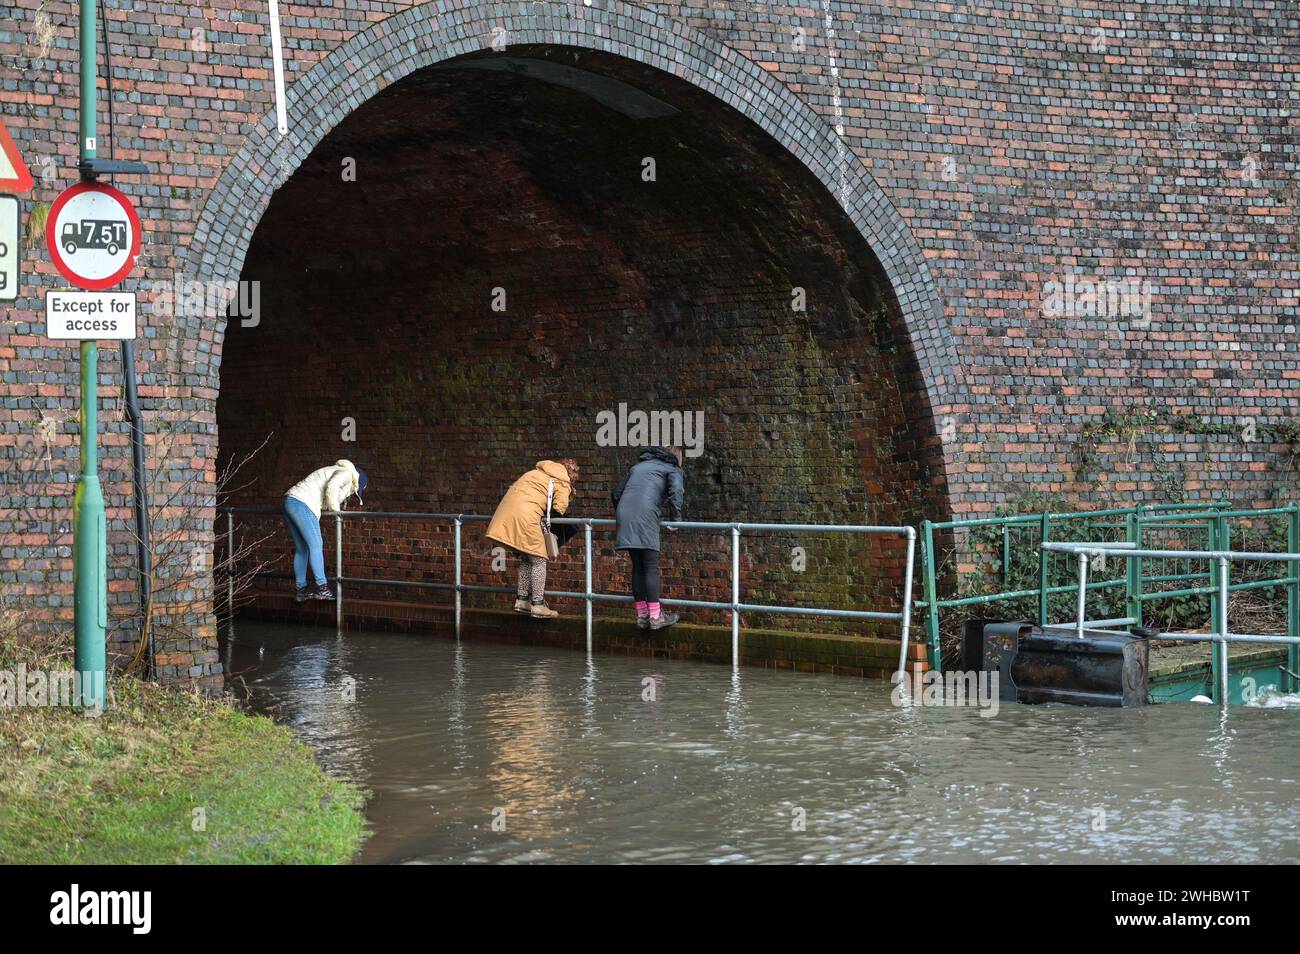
(93, 234)
(89, 543)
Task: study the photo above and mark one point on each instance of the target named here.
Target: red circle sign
(93, 235)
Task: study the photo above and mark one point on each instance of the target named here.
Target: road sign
(14, 176)
(93, 235)
(10, 256)
(90, 316)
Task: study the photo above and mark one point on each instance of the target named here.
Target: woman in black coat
(652, 490)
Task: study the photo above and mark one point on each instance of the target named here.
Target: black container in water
(1036, 666)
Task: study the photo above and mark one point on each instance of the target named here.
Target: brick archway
(423, 36)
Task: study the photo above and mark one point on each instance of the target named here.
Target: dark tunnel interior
(489, 255)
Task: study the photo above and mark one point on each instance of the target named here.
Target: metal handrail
(1221, 635)
(933, 604)
(589, 596)
(1213, 517)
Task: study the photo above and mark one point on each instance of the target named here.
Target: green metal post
(1133, 577)
(1218, 536)
(931, 595)
(1045, 531)
(89, 74)
(1006, 555)
(90, 596)
(1293, 597)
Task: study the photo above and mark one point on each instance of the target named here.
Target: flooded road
(616, 759)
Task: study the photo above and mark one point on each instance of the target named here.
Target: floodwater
(479, 752)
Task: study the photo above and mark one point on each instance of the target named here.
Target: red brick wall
(1013, 142)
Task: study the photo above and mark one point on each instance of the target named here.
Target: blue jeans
(307, 543)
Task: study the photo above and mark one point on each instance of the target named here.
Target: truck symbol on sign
(106, 234)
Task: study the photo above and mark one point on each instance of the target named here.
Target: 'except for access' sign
(90, 315)
(10, 257)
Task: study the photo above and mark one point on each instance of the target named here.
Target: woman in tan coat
(517, 524)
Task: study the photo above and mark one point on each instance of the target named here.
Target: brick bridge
(922, 259)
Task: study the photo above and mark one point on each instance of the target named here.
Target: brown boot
(541, 611)
(521, 606)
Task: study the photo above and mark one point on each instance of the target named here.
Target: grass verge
(163, 777)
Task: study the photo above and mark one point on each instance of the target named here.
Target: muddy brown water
(481, 752)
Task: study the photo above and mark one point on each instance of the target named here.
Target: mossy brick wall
(986, 149)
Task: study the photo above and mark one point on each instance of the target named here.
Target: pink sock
(642, 608)
(654, 610)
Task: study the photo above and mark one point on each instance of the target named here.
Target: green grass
(123, 788)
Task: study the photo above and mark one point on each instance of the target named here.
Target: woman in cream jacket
(325, 489)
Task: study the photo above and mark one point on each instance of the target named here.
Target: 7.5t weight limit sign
(93, 235)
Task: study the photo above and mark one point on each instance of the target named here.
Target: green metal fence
(1029, 579)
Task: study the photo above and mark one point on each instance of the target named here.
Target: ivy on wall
(1119, 427)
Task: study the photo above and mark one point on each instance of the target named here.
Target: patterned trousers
(532, 578)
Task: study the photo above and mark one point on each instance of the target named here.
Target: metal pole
(1083, 593)
(456, 525)
(1133, 568)
(1006, 554)
(1043, 555)
(735, 596)
(90, 596)
(1218, 604)
(907, 601)
(1293, 597)
(1221, 650)
(89, 73)
(338, 572)
(140, 496)
(931, 590)
(230, 569)
(89, 532)
(586, 559)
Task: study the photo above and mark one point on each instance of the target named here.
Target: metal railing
(1210, 520)
(589, 595)
(1220, 561)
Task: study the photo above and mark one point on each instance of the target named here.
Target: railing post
(1006, 554)
(338, 572)
(1293, 597)
(930, 588)
(456, 531)
(230, 570)
(1221, 650)
(907, 601)
(735, 596)
(587, 559)
(1082, 601)
(1133, 568)
(1218, 606)
(1044, 555)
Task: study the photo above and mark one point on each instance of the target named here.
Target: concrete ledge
(866, 656)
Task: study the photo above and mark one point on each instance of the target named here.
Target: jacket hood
(351, 468)
(659, 453)
(553, 469)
